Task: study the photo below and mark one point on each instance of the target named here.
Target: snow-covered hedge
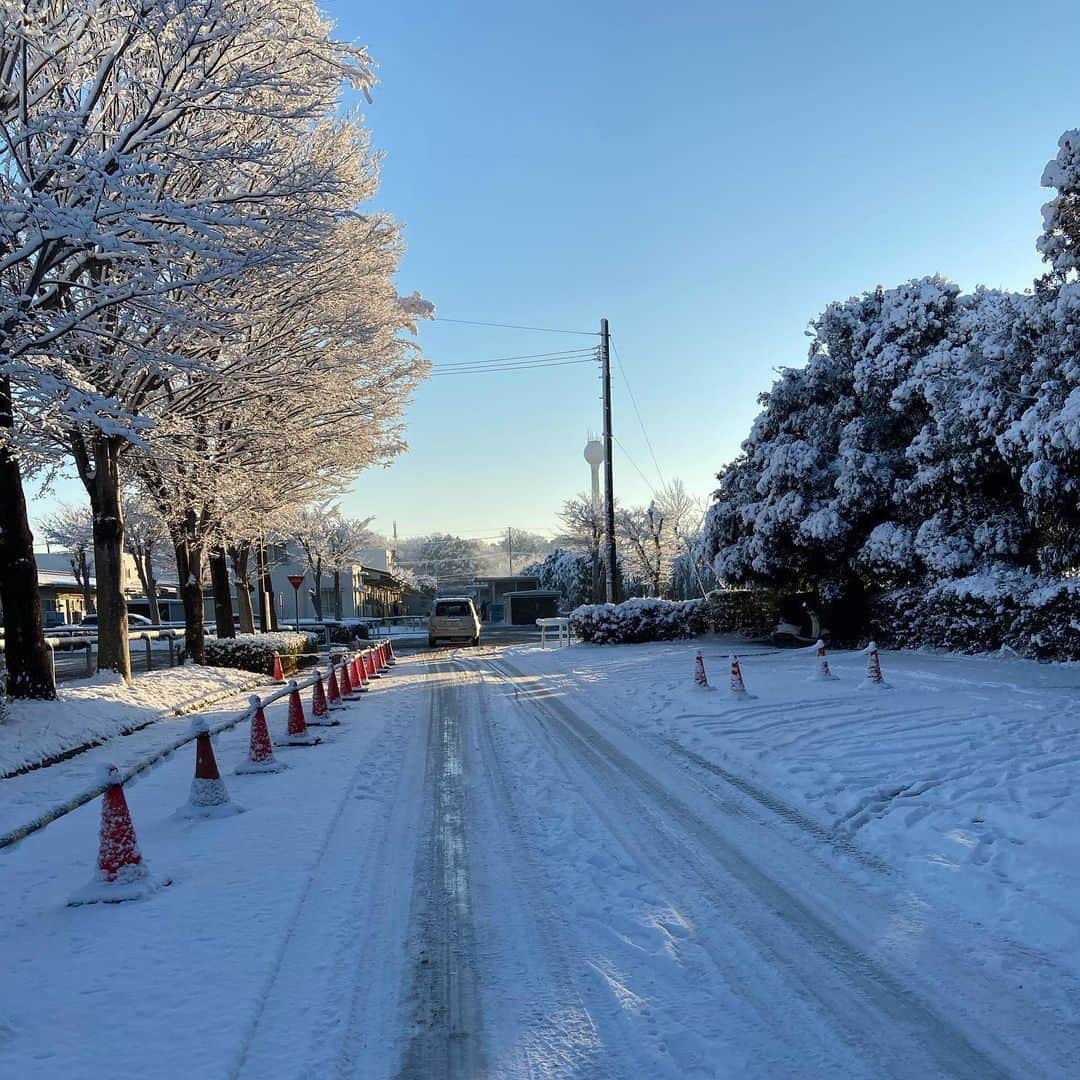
(640, 619)
(1032, 616)
(748, 611)
(255, 652)
(347, 631)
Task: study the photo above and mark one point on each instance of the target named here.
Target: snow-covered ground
(964, 776)
(101, 707)
(574, 863)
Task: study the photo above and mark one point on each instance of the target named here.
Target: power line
(520, 356)
(648, 483)
(641, 422)
(515, 326)
(489, 369)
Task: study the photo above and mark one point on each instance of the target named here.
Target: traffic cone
(208, 796)
(873, 668)
(700, 678)
(279, 671)
(121, 872)
(822, 671)
(333, 693)
(384, 667)
(260, 757)
(360, 671)
(298, 734)
(736, 685)
(346, 681)
(391, 659)
(320, 713)
(372, 668)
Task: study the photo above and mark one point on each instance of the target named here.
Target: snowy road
(482, 874)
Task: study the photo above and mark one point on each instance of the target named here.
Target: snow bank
(93, 710)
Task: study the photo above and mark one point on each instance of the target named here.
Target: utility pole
(609, 490)
(510, 547)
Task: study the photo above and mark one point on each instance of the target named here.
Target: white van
(453, 618)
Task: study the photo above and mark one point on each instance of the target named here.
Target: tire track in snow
(880, 1017)
(443, 1002)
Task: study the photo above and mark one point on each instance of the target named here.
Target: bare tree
(652, 536)
(72, 528)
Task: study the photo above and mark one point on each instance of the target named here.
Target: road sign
(296, 580)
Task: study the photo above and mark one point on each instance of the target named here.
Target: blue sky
(706, 176)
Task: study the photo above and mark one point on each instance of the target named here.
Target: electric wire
(641, 422)
(561, 353)
(626, 454)
(488, 369)
(515, 326)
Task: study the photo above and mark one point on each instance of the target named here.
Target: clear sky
(708, 176)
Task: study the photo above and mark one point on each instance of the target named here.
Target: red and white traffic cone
(320, 712)
(279, 671)
(362, 681)
(700, 678)
(736, 684)
(208, 796)
(298, 734)
(333, 692)
(391, 659)
(384, 667)
(372, 668)
(346, 680)
(821, 671)
(873, 668)
(121, 872)
(260, 757)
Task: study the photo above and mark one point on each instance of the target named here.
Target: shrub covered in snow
(640, 619)
(568, 574)
(984, 612)
(255, 652)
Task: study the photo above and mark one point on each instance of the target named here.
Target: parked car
(135, 622)
(453, 618)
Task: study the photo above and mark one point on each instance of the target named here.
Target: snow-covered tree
(145, 539)
(141, 153)
(567, 573)
(440, 555)
(652, 536)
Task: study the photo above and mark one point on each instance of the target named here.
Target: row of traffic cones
(737, 684)
(372, 662)
(122, 874)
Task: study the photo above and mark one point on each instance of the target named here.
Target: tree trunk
(337, 594)
(150, 584)
(316, 601)
(262, 576)
(219, 580)
(103, 486)
(240, 554)
(189, 555)
(30, 673)
(82, 575)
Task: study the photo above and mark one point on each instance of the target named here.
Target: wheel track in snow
(323, 881)
(442, 998)
(846, 982)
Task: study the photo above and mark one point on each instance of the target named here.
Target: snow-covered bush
(1032, 616)
(256, 652)
(347, 631)
(640, 619)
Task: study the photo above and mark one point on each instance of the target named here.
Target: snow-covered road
(488, 871)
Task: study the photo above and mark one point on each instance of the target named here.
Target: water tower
(594, 455)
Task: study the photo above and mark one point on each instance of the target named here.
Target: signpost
(296, 580)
